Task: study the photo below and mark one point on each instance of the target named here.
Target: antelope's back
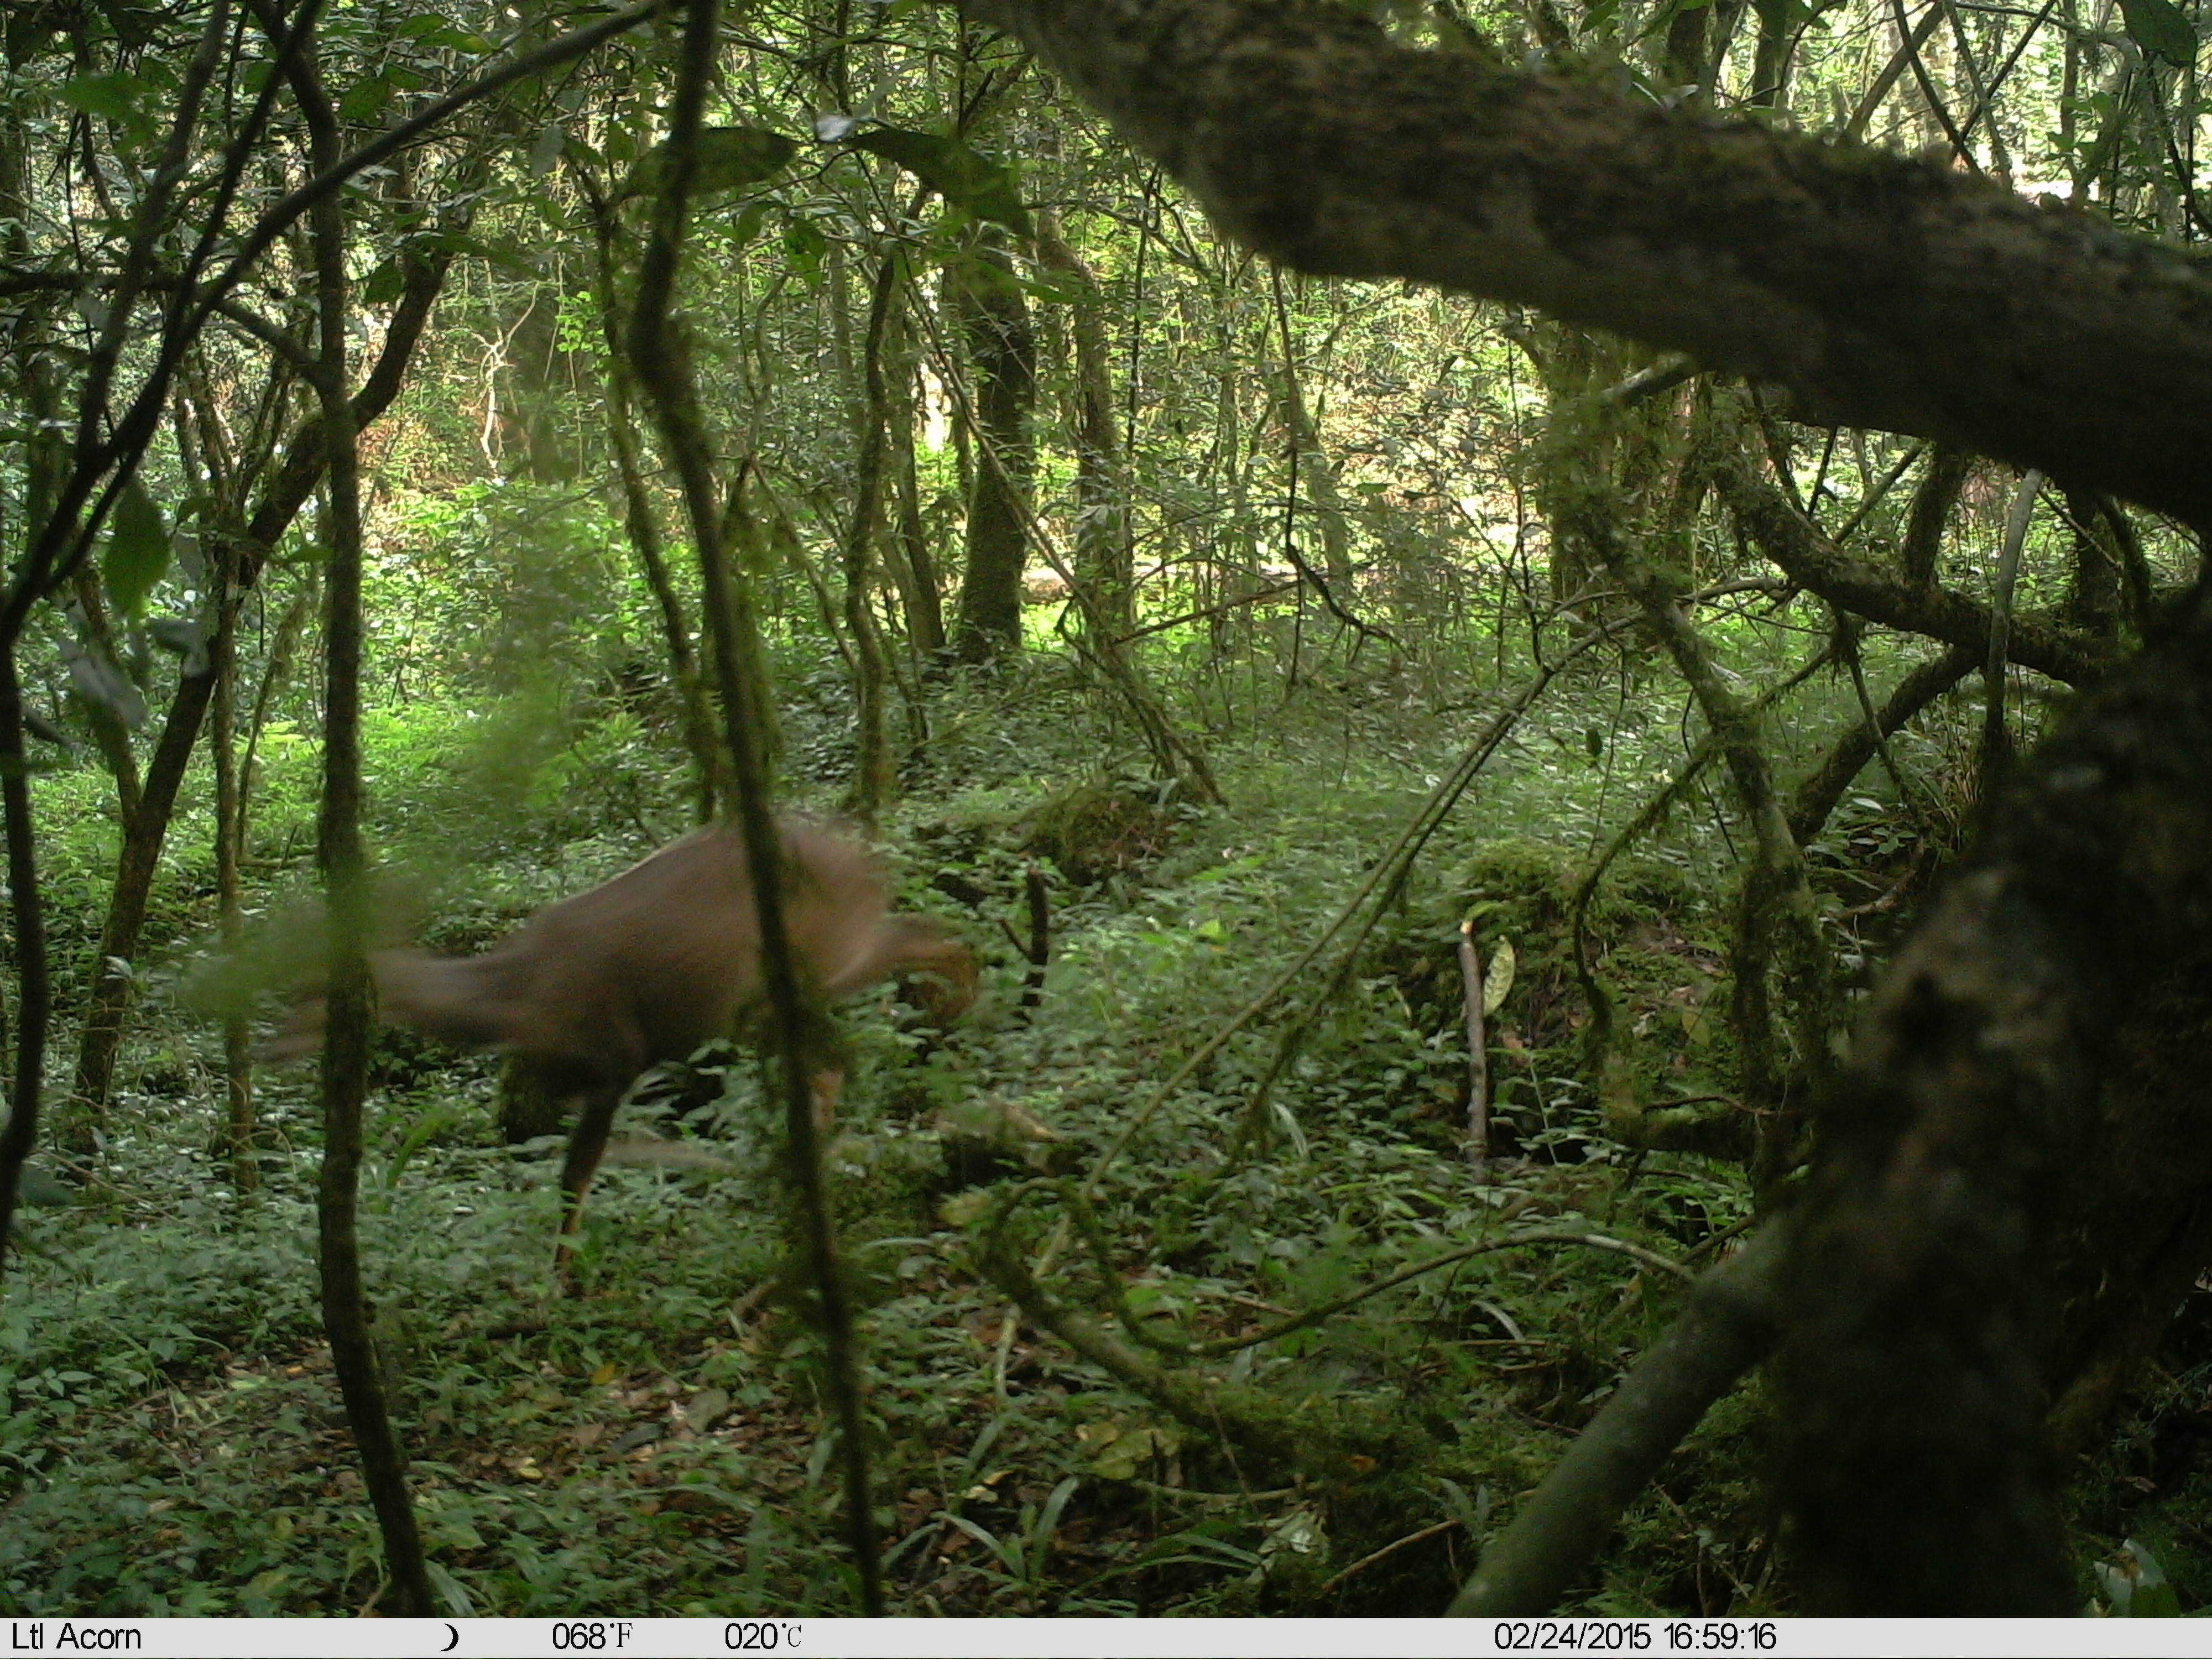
(666, 954)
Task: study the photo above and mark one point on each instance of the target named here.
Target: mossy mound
(1100, 830)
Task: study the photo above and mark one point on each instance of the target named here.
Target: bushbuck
(592, 992)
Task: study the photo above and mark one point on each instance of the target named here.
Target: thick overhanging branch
(1880, 290)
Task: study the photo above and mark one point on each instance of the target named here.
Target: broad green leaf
(104, 685)
(1122, 1454)
(186, 637)
(804, 246)
(748, 224)
(505, 255)
(439, 34)
(965, 1209)
(729, 159)
(2137, 1586)
(1052, 291)
(365, 99)
(384, 284)
(2161, 28)
(1498, 980)
(454, 1531)
(114, 96)
(963, 176)
(2157, 1601)
(1472, 1513)
(546, 152)
(138, 549)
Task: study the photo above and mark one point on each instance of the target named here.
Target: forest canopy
(1447, 770)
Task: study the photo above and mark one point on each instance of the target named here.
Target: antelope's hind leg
(595, 1120)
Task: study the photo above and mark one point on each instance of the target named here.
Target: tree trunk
(1103, 562)
(872, 777)
(1317, 472)
(2093, 601)
(27, 915)
(918, 586)
(230, 820)
(140, 860)
(1930, 513)
(109, 734)
(26, 908)
(1002, 356)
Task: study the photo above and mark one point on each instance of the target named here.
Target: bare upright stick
(1477, 1051)
(1039, 950)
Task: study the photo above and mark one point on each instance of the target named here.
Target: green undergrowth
(173, 1441)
